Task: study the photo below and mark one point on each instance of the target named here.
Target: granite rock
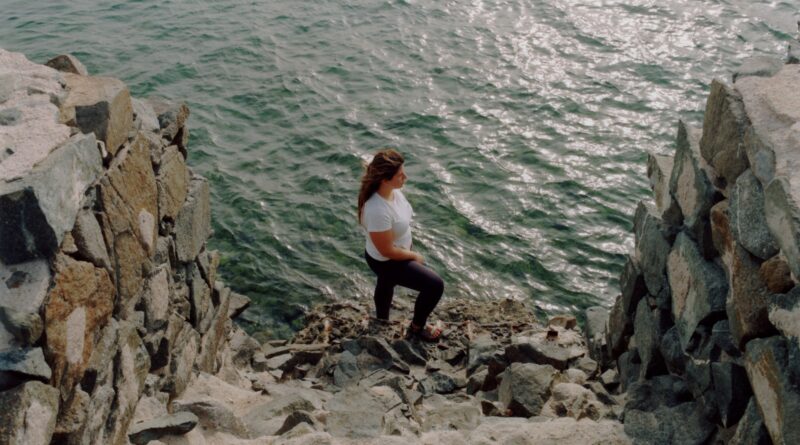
(99, 105)
(29, 414)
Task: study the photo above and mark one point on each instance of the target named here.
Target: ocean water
(525, 124)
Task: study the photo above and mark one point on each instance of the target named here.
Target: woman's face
(398, 179)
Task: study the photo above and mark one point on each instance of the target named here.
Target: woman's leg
(384, 288)
(416, 276)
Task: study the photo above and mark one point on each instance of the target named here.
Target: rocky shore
(115, 327)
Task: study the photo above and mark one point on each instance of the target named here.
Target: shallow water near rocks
(525, 124)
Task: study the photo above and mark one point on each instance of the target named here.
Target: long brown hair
(384, 166)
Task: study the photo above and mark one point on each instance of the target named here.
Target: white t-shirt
(381, 215)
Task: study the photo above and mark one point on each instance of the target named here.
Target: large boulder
(784, 313)
(23, 289)
(174, 424)
(19, 365)
(649, 327)
(653, 239)
(526, 387)
(699, 287)
(659, 171)
(173, 183)
(773, 366)
(99, 105)
(78, 306)
(747, 218)
(130, 371)
(89, 241)
(193, 223)
(43, 201)
(751, 429)
(128, 197)
(595, 332)
(724, 127)
(732, 391)
(67, 63)
(28, 416)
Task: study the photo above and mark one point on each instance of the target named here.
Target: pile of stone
(107, 292)
(705, 332)
(496, 377)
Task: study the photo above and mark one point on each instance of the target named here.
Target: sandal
(428, 333)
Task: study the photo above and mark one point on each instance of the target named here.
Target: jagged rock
(213, 416)
(78, 305)
(184, 352)
(19, 365)
(439, 382)
(610, 378)
(564, 431)
(731, 390)
(524, 350)
(772, 365)
(722, 338)
(776, 275)
(156, 299)
(748, 298)
(649, 327)
(441, 413)
(130, 370)
(202, 309)
(563, 321)
(28, 416)
(128, 199)
(784, 313)
(378, 348)
(724, 126)
(238, 304)
(747, 219)
(193, 223)
(23, 288)
(173, 424)
(783, 219)
(173, 183)
(597, 318)
(99, 369)
(243, 347)
(296, 418)
(213, 338)
(630, 368)
(751, 429)
(346, 371)
(588, 366)
(757, 66)
(145, 116)
(576, 376)
(526, 387)
(89, 240)
(476, 381)
(44, 202)
(483, 350)
(600, 392)
(652, 244)
(99, 105)
(659, 171)
(698, 287)
(171, 116)
(67, 63)
(409, 353)
(358, 413)
(573, 400)
(683, 424)
(72, 415)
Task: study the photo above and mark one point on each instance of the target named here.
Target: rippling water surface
(525, 124)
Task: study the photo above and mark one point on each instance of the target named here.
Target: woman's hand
(418, 258)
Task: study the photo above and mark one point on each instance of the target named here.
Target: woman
(386, 215)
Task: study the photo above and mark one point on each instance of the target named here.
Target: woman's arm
(384, 242)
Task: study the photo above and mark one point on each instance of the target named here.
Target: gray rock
(482, 350)
(29, 413)
(173, 424)
(587, 366)
(213, 416)
(439, 382)
(573, 400)
(357, 412)
(784, 313)
(699, 287)
(378, 348)
(45, 202)
(173, 182)
(649, 326)
(346, 371)
(193, 223)
(202, 310)
(130, 370)
(618, 330)
(89, 239)
(722, 338)
(724, 126)
(610, 378)
(208, 359)
(731, 390)
(681, 424)
(409, 353)
(171, 116)
(542, 353)
(243, 347)
(67, 63)
(783, 219)
(672, 351)
(99, 369)
(772, 365)
(751, 429)
(659, 171)
(19, 365)
(10, 116)
(652, 243)
(758, 66)
(776, 275)
(156, 299)
(476, 381)
(145, 115)
(297, 418)
(747, 217)
(630, 368)
(238, 304)
(99, 105)
(597, 318)
(455, 413)
(26, 327)
(526, 387)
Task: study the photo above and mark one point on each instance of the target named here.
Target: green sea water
(525, 124)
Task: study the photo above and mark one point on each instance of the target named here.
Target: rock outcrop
(718, 352)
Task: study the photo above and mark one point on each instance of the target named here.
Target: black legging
(412, 275)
